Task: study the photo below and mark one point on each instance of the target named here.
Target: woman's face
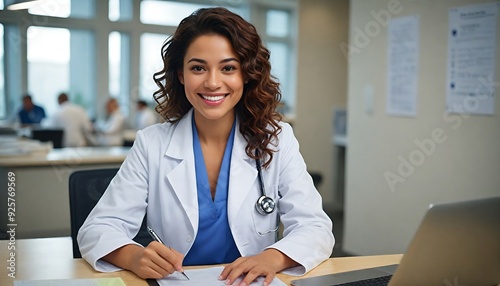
(212, 77)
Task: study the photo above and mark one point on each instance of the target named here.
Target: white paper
(402, 66)
(206, 276)
(471, 59)
(72, 282)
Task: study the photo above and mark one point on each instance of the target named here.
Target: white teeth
(213, 98)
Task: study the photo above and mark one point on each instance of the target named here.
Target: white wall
(321, 86)
(465, 165)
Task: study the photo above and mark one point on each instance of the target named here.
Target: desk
(51, 258)
(41, 182)
(69, 157)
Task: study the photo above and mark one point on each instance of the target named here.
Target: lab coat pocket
(267, 224)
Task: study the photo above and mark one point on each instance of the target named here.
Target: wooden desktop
(52, 258)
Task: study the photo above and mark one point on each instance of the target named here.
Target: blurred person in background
(144, 116)
(73, 119)
(30, 113)
(109, 132)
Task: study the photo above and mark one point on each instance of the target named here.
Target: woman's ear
(180, 75)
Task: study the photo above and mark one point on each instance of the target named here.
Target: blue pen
(157, 238)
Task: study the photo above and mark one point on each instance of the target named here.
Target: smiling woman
(218, 177)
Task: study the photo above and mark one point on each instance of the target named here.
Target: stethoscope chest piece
(265, 205)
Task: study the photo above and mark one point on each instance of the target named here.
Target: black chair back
(85, 189)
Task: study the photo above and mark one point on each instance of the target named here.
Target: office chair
(85, 189)
(317, 178)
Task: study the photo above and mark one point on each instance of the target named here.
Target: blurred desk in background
(41, 187)
(129, 137)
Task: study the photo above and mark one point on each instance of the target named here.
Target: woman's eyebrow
(229, 60)
(205, 62)
(197, 60)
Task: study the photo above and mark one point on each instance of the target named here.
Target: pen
(157, 238)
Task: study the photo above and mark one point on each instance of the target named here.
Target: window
(48, 65)
(82, 67)
(114, 10)
(278, 38)
(277, 23)
(151, 62)
(56, 53)
(64, 9)
(114, 54)
(3, 100)
(120, 10)
(280, 63)
(168, 13)
(118, 54)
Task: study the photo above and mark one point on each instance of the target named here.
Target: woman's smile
(213, 98)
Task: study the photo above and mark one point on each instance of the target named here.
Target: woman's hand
(154, 261)
(267, 264)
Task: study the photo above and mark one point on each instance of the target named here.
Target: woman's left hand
(266, 263)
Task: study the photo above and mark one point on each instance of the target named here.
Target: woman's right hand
(154, 261)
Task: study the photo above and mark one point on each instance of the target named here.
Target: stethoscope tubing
(265, 205)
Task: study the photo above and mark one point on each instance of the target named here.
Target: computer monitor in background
(46, 135)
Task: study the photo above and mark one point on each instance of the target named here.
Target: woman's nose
(213, 80)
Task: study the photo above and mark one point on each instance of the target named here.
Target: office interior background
(96, 49)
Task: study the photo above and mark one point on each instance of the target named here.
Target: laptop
(456, 244)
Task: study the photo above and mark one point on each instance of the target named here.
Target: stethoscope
(264, 205)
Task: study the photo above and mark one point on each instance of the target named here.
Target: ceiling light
(23, 4)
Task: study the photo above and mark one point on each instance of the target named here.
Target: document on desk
(73, 282)
(206, 276)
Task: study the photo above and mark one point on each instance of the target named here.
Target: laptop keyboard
(379, 281)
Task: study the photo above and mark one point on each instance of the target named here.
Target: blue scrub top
(33, 116)
(214, 243)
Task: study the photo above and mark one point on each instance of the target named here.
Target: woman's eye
(229, 68)
(197, 68)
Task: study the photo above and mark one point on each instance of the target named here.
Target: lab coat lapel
(182, 178)
(243, 174)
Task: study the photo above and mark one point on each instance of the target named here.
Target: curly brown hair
(257, 109)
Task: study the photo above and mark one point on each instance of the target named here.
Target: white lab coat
(110, 131)
(73, 119)
(145, 118)
(158, 176)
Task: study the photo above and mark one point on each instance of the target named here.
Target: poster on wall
(472, 35)
(402, 66)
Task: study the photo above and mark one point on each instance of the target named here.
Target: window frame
(290, 41)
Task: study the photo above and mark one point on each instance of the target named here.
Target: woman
(209, 177)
